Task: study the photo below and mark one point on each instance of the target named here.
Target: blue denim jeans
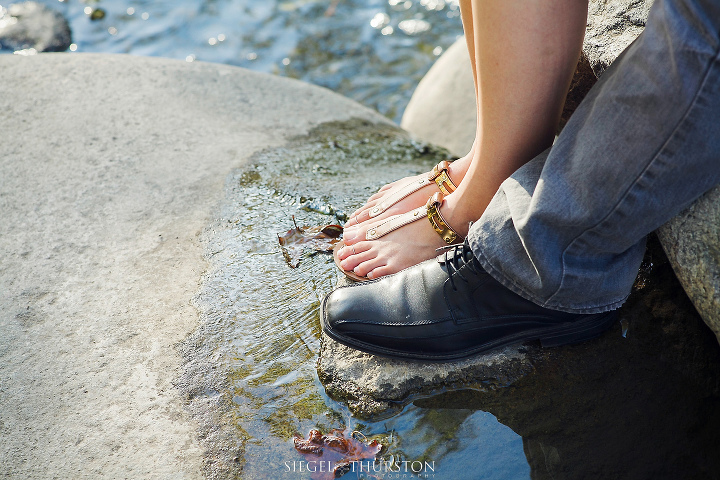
(567, 231)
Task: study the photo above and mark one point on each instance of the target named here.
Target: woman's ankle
(460, 210)
(458, 168)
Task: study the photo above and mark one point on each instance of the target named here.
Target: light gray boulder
(442, 109)
(111, 166)
(30, 25)
(691, 241)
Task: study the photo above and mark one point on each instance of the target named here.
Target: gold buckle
(437, 221)
(439, 175)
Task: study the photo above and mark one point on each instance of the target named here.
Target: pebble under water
(640, 402)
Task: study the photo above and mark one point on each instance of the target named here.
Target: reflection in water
(462, 443)
(644, 406)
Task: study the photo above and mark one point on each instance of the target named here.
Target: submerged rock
(250, 365)
(30, 25)
(372, 385)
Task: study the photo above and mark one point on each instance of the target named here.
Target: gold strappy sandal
(431, 211)
(438, 175)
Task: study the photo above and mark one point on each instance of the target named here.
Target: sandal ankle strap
(439, 175)
(437, 221)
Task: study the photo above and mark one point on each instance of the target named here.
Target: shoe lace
(457, 256)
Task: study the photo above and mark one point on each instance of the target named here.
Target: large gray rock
(30, 25)
(110, 167)
(692, 243)
(442, 109)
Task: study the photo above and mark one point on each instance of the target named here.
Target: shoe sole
(349, 274)
(555, 336)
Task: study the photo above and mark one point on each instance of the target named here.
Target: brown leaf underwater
(296, 240)
(334, 452)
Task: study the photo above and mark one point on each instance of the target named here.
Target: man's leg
(569, 234)
(559, 245)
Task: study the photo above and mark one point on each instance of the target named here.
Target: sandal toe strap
(395, 197)
(439, 175)
(395, 222)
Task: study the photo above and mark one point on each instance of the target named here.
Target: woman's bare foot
(456, 171)
(399, 249)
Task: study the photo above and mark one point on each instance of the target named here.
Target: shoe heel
(580, 331)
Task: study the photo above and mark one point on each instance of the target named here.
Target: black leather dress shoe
(445, 309)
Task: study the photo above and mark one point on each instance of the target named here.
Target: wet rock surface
(32, 26)
(249, 369)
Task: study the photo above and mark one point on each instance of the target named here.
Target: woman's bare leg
(525, 52)
(457, 168)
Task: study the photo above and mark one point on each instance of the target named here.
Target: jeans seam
(715, 59)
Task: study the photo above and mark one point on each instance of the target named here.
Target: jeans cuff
(528, 295)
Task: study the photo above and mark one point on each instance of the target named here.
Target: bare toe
(353, 235)
(349, 250)
(378, 272)
(352, 261)
(369, 266)
(358, 217)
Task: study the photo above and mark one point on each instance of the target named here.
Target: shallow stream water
(256, 349)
